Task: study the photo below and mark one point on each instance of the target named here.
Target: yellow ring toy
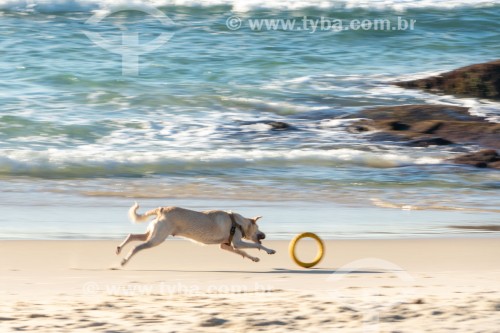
(319, 255)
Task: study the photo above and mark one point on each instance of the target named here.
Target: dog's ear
(254, 220)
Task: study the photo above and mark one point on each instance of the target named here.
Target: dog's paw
(123, 262)
(271, 251)
(118, 250)
(255, 259)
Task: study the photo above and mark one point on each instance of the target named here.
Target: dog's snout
(262, 236)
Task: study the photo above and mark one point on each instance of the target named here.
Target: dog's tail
(137, 218)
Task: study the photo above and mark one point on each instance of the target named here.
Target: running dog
(208, 227)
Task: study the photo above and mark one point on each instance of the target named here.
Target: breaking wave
(63, 163)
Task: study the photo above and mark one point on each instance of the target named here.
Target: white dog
(209, 227)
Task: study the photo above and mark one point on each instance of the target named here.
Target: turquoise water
(189, 128)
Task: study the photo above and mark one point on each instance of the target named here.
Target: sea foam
(83, 163)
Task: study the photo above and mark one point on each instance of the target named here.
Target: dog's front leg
(242, 253)
(239, 244)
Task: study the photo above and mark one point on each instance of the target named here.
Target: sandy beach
(373, 124)
(436, 285)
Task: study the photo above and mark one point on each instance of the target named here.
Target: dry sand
(360, 286)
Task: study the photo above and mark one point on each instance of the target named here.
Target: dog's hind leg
(130, 238)
(158, 233)
(138, 248)
(240, 252)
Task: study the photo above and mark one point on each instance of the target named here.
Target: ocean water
(168, 103)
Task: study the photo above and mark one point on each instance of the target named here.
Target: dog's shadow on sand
(273, 271)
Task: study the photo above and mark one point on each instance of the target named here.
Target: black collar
(234, 225)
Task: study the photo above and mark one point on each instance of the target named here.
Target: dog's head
(252, 231)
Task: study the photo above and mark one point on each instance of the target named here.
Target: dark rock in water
(447, 124)
(427, 127)
(479, 80)
(275, 125)
(488, 158)
(385, 137)
(411, 114)
(426, 142)
(470, 132)
(397, 125)
(279, 125)
(356, 129)
(494, 165)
